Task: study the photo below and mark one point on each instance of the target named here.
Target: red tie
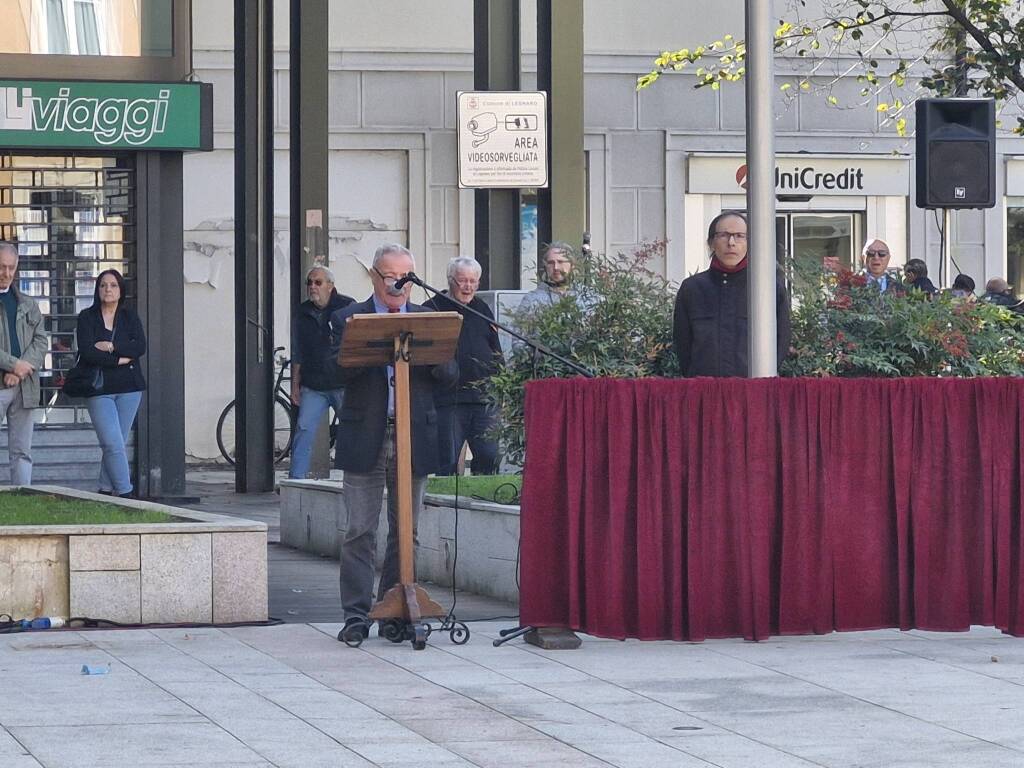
(393, 309)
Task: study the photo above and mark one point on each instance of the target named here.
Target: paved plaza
(292, 696)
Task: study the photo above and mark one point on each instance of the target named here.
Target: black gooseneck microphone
(410, 277)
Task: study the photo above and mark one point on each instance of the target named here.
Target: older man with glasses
(464, 413)
(314, 387)
(875, 256)
(366, 448)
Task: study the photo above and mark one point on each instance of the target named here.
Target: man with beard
(559, 260)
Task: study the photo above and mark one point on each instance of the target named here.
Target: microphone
(411, 277)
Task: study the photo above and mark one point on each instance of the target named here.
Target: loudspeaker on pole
(956, 153)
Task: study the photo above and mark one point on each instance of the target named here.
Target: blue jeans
(112, 417)
(313, 404)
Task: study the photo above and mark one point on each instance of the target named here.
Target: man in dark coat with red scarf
(711, 322)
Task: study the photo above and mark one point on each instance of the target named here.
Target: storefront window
(71, 217)
(87, 27)
(1015, 248)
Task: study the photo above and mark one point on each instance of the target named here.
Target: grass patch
(26, 508)
(503, 489)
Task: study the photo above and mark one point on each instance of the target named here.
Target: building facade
(660, 162)
(95, 114)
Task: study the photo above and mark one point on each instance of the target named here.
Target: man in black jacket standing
(463, 413)
(314, 390)
(711, 325)
(365, 447)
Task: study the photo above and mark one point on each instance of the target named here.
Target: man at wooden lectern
(365, 447)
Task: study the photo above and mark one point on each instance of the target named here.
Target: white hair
(869, 241)
(318, 267)
(464, 262)
(389, 248)
(10, 247)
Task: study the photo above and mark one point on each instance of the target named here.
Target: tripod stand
(538, 348)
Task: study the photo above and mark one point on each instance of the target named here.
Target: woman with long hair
(110, 337)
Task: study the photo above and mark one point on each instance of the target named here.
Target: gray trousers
(363, 493)
(19, 434)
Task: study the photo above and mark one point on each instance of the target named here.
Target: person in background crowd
(559, 261)
(23, 347)
(916, 277)
(999, 292)
(963, 287)
(463, 413)
(875, 258)
(710, 326)
(313, 390)
(110, 336)
(365, 447)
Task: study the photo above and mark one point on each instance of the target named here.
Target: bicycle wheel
(226, 433)
(284, 424)
(284, 427)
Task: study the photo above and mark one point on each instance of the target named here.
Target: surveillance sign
(503, 139)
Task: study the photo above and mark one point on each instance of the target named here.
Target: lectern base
(406, 601)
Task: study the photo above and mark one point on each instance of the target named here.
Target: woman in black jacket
(110, 337)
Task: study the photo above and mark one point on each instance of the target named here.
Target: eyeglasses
(388, 279)
(740, 237)
(315, 282)
(876, 254)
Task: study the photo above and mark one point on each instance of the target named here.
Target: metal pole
(254, 242)
(496, 67)
(309, 161)
(760, 83)
(562, 208)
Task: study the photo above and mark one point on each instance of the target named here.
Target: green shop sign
(101, 115)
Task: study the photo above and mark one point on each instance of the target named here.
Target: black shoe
(101, 492)
(356, 630)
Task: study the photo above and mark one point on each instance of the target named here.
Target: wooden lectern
(402, 339)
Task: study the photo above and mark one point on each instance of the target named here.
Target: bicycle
(286, 417)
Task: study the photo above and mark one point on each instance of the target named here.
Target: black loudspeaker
(956, 153)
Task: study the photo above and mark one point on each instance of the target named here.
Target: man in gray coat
(23, 346)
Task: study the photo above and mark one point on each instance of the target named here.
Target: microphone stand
(534, 345)
(538, 348)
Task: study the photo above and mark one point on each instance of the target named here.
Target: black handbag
(84, 380)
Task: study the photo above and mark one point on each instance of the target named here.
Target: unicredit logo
(809, 179)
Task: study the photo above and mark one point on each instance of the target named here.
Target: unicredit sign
(804, 175)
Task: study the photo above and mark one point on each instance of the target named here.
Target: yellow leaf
(901, 126)
(883, 107)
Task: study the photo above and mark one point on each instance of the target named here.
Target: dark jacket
(311, 341)
(363, 418)
(129, 341)
(1003, 300)
(924, 284)
(479, 352)
(710, 327)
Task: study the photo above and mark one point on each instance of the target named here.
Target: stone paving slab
(291, 695)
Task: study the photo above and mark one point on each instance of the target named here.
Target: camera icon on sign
(482, 126)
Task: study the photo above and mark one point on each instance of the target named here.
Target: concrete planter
(313, 517)
(206, 568)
